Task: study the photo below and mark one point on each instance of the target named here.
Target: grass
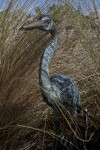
(25, 119)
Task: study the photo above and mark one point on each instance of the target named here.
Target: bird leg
(73, 141)
(57, 122)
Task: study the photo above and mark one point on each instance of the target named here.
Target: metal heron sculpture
(59, 87)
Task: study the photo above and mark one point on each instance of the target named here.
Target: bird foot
(63, 143)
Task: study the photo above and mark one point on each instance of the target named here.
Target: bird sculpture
(57, 89)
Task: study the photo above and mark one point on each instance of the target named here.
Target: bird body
(58, 89)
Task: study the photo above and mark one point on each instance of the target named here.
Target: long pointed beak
(35, 25)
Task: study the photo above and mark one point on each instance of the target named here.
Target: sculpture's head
(44, 22)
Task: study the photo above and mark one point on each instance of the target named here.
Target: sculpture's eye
(47, 20)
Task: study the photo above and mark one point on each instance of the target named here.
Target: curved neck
(45, 61)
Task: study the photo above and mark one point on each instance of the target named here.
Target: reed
(25, 119)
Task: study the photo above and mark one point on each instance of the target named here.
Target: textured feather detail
(59, 87)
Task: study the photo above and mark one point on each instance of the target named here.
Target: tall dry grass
(26, 122)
